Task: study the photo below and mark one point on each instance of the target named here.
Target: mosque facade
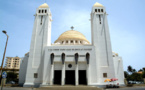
(72, 59)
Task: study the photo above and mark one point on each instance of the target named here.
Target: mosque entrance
(82, 77)
(57, 77)
(70, 77)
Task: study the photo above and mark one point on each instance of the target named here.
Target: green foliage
(140, 70)
(143, 75)
(143, 69)
(129, 69)
(126, 74)
(136, 77)
(133, 70)
(133, 75)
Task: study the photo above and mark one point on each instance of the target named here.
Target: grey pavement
(21, 88)
(129, 88)
(17, 88)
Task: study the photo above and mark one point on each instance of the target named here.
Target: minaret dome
(44, 5)
(98, 5)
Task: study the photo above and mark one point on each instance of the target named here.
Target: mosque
(72, 59)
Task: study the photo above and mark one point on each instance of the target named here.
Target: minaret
(41, 37)
(101, 41)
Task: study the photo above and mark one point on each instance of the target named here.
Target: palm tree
(134, 71)
(140, 70)
(126, 74)
(143, 69)
(130, 69)
(143, 75)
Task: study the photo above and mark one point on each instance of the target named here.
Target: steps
(68, 88)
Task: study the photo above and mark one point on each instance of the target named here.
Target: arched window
(76, 58)
(63, 58)
(52, 58)
(95, 10)
(39, 11)
(98, 10)
(87, 58)
(45, 11)
(41, 20)
(100, 18)
(66, 41)
(42, 11)
(71, 41)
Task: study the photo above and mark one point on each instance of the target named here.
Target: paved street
(135, 88)
(20, 88)
(17, 88)
(55, 88)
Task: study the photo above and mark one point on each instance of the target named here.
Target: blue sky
(126, 23)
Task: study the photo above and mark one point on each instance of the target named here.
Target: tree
(136, 77)
(140, 70)
(143, 69)
(129, 69)
(134, 71)
(126, 74)
(143, 75)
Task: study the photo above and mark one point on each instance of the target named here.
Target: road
(16, 88)
(132, 88)
(20, 88)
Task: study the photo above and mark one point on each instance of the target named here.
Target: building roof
(98, 5)
(72, 35)
(44, 5)
(115, 53)
(140, 72)
(14, 57)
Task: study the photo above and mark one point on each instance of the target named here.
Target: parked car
(135, 82)
(11, 82)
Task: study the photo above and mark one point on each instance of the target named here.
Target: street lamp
(4, 52)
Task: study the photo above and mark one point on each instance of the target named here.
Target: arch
(101, 10)
(52, 58)
(62, 42)
(45, 11)
(66, 41)
(98, 10)
(88, 58)
(76, 57)
(39, 11)
(42, 11)
(63, 58)
(71, 41)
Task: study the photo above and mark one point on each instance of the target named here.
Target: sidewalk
(128, 88)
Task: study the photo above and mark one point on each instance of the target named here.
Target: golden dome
(72, 35)
(98, 5)
(44, 5)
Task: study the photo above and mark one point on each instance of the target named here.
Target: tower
(41, 37)
(102, 43)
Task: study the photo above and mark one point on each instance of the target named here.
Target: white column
(78, 41)
(69, 42)
(88, 79)
(76, 75)
(64, 42)
(52, 75)
(74, 41)
(63, 75)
